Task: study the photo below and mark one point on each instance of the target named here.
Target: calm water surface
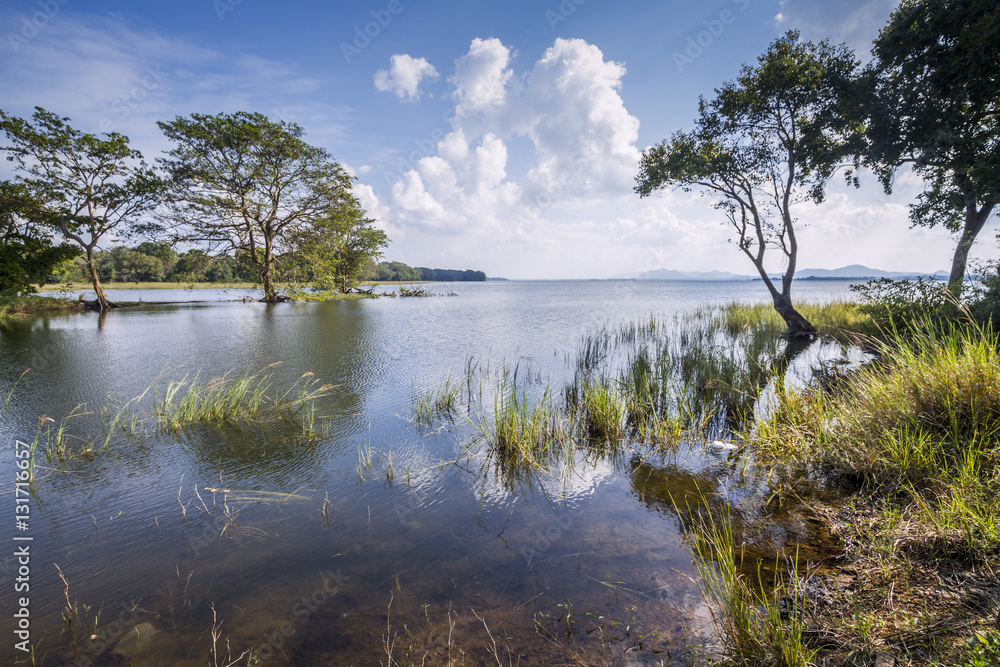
(310, 556)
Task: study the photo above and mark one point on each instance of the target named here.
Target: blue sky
(500, 136)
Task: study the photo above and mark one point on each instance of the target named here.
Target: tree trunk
(798, 326)
(270, 294)
(102, 302)
(975, 220)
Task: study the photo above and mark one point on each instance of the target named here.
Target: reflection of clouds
(801, 371)
(569, 482)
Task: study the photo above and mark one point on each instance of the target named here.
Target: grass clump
(752, 621)
(26, 306)
(930, 409)
(230, 399)
(917, 435)
(441, 401)
(603, 411)
(522, 430)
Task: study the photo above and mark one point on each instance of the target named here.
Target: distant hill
(852, 272)
(857, 271)
(670, 274)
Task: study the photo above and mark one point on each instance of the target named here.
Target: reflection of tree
(764, 526)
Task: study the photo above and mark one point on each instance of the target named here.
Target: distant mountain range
(852, 272)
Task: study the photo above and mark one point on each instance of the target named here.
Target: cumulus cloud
(568, 106)
(855, 22)
(481, 77)
(404, 76)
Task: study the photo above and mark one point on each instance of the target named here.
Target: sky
(498, 136)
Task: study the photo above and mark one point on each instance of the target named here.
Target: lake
(372, 536)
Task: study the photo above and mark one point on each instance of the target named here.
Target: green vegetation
(930, 101)
(439, 402)
(753, 627)
(36, 305)
(399, 272)
(231, 399)
(757, 158)
(77, 184)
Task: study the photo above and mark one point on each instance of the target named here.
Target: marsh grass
(521, 429)
(752, 619)
(228, 398)
(14, 387)
(20, 306)
(441, 401)
(235, 398)
(917, 434)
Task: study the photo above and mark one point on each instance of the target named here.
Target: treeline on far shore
(152, 262)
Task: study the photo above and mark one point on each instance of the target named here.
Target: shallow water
(587, 561)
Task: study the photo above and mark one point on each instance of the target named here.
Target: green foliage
(450, 275)
(902, 305)
(768, 140)
(397, 271)
(79, 184)
(933, 103)
(27, 256)
(245, 183)
(339, 246)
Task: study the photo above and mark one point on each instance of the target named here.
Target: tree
(767, 142)
(79, 184)
(936, 106)
(397, 272)
(340, 246)
(27, 255)
(245, 183)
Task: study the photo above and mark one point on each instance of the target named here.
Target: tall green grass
(924, 421)
(520, 429)
(750, 621)
(233, 398)
(441, 401)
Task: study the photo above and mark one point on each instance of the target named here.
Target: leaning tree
(935, 105)
(85, 187)
(241, 182)
(769, 141)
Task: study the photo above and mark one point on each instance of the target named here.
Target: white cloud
(481, 77)
(856, 22)
(570, 109)
(106, 74)
(404, 76)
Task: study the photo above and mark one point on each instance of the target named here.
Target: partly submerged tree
(245, 183)
(768, 141)
(83, 186)
(936, 106)
(27, 255)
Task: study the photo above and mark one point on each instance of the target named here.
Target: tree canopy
(246, 183)
(768, 141)
(27, 255)
(82, 185)
(934, 103)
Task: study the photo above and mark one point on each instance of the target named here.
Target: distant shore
(78, 287)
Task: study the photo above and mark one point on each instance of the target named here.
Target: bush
(907, 304)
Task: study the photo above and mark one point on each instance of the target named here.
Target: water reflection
(160, 527)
